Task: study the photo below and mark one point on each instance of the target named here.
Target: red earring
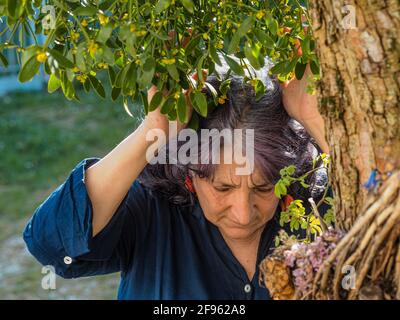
(189, 184)
(287, 200)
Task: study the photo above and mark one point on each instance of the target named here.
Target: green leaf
(159, 35)
(214, 56)
(264, 38)
(290, 170)
(193, 43)
(104, 33)
(119, 81)
(3, 60)
(279, 67)
(314, 66)
(161, 6)
(200, 103)
(182, 109)
(194, 122)
(299, 70)
(234, 43)
(97, 86)
(225, 86)
(168, 105)
(199, 67)
(280, 189)
(155, 101)
(245, 26)
(305, 45)
(86, 86)
(85, 11)
(148, 72)
(115, 92)
(251, 54)
(188, 4)
(143, 96)
(273, 26)
(63, 61)
(129, 83)
(29, 69)
(15, 8)
(236, 67)
(53, 84)
(67, 86)
(259, 89)
(173, 71)
(111, 75)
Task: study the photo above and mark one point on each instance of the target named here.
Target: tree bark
(357, 43)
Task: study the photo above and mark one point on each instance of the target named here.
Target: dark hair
(279, 140)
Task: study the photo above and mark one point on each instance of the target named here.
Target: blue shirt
(162, 250)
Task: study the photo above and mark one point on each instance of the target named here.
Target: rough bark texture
(359, 94)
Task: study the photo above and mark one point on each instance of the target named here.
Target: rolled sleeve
(60, 231)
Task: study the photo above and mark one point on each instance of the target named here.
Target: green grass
(42, 138)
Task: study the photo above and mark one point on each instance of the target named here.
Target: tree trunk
(357, 43)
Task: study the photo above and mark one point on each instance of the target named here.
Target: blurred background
(42, 137)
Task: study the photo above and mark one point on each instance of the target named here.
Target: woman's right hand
(156, 120)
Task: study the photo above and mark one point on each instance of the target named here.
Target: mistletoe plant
(163, 42)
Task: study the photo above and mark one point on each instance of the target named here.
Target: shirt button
(247, 288)
(67, 260)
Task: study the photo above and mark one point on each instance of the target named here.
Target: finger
(185, 40)
(205, 74)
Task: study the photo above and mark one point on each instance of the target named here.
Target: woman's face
(239, 205)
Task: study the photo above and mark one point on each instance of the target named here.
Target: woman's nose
(242, 210)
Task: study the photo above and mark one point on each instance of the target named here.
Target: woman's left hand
(303, 107)
(300, 105)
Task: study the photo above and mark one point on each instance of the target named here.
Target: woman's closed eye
(223, 189)
(256, 189)
(263, 190)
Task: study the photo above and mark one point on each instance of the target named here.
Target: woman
(175, 231)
